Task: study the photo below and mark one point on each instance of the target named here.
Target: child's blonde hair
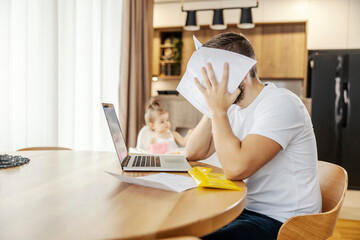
(153, 110)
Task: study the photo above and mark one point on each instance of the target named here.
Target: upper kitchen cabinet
(280, 48)
(282, 53)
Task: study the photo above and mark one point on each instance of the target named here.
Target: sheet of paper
(239, 66)
(197, 43)
(165, 181)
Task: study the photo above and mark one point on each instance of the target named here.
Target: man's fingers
(225, 76)
(206, 78)
(211, 74)
(235, 94)
(200, 87)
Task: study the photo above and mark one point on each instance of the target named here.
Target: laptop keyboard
(146, 161)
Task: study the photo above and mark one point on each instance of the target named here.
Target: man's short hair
(233, 42)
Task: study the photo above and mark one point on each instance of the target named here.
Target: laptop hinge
(125, 161)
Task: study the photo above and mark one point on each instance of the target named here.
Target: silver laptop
(176, 163)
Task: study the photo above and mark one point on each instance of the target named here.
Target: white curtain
(59, 59)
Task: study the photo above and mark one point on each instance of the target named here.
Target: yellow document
(204, 178)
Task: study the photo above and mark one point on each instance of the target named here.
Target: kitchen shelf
(172, 77)
(167, 46)
(168, 61)
(168, 53)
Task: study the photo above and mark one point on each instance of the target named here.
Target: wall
(332, 24)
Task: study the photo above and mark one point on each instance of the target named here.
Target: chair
(307, 103)
(143, 139)
(333, 184)
(43, 148)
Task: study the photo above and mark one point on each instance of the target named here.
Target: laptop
(148, 162)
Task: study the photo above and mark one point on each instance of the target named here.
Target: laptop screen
(115, 130)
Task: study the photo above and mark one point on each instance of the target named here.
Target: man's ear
(247, 78)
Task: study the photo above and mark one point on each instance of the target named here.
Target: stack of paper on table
(165, 181)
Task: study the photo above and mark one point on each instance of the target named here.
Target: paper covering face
(239, 66)
(197, 42)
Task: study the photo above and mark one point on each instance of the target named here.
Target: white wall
(332, 24)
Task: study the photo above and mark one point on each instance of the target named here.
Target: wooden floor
(348, 225)
(346, 230)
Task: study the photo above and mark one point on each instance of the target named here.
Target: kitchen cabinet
(280, 48)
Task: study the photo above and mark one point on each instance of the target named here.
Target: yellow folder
(204, 178)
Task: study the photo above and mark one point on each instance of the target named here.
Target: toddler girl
(157, 119)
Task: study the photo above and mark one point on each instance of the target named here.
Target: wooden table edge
(208, 225)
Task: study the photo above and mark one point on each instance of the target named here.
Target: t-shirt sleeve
(280, 119)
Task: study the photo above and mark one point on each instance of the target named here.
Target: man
(265, 138)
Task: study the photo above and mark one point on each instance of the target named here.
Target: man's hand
(216, 95)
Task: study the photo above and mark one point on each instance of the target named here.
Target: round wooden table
(68, 195)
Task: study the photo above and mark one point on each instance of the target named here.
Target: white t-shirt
(288, 185)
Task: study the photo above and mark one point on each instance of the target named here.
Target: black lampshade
(190, 24)
(246, 21)
(218, 20)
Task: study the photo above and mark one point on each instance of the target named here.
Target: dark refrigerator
(334, 86)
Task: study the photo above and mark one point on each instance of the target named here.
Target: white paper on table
(239, 66)
(165, 181)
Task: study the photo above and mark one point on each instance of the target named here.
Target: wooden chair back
(43, 148)
(333, 184)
